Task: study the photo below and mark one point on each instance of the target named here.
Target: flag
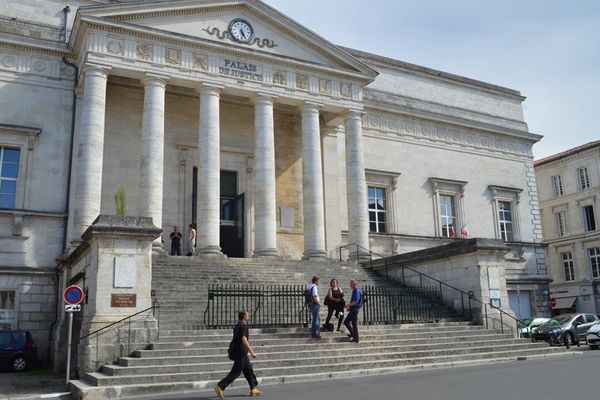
(452, 233)
(463, 231)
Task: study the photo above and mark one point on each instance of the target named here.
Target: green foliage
(120, 199)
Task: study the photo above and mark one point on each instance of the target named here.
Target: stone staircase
(188, 358)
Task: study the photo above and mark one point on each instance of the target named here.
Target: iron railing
(394, 305)
(267, 305)
(362, 252)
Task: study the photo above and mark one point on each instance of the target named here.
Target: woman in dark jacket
(335, 303)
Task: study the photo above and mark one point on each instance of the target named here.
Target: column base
(271, 253)
(315, 255)
(210, 251)
(157, 248)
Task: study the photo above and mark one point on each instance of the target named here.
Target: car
(17, 350)
(531, 325)
(592, 337)
(565, 329)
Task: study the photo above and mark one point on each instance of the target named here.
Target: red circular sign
(73, 295)
(552, 302)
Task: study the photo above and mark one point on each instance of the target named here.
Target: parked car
(531, 325)
(592, 337)
(17, 350)
(561, 328)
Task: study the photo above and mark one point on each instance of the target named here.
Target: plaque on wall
(123, 300)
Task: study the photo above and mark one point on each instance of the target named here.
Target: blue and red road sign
(73, 295)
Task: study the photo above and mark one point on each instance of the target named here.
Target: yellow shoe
(255, 392)
(220, 392)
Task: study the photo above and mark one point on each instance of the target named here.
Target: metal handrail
(119, 321)
(421, 275)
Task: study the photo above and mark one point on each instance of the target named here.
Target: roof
(567, 153)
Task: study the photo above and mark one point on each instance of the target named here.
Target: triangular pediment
(209, 21)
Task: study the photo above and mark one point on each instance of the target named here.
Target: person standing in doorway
(238, 352)
(353, 308)
(191, 239)
(315, 308)
(175, 241)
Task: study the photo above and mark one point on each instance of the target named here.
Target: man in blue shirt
(315, 308)
(353, 307)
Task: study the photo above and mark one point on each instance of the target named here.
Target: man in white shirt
(315, 308)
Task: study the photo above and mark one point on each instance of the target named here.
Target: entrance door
(520, 303)
(232, 216)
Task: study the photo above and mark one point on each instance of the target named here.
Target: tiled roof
(567, 153)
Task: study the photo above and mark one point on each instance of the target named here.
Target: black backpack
(308, 298)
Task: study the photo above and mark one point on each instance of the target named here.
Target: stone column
(153, 149)
(312, 184)
(265, 219)
(356, 184)
(331, 187)
(88, 187)
(209, 172)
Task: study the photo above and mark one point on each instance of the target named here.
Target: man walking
(315, 308)
(353, 307)
(238, 352)
(175, 241)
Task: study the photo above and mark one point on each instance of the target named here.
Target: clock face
(241, 30)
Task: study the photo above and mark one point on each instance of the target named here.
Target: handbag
(327, 301)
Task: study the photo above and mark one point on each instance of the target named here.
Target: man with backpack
(238, 353)
(353, 308)
(314, 304)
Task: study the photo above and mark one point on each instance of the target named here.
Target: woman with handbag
(335, 304)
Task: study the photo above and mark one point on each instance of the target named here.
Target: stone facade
(573, 253)
(162, 100)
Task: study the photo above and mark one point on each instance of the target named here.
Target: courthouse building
(569, 187)
(274, 141)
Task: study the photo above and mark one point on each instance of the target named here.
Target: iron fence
(268, 306)
(393, 305)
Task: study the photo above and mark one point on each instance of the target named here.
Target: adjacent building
(274, 141)
(569, 190)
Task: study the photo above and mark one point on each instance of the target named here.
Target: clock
(241, 30)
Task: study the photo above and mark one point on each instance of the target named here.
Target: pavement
(32, 384)
(571, 377)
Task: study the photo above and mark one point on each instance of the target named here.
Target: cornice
(34, 45)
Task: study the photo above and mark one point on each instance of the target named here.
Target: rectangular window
(505, 219)
(589, 222)
(561, 223)
(7, 310)
(377, 210)
(568, 267)
(594, 254)
(9, 174)
(557, 186)
(584, 178)
(448, 215)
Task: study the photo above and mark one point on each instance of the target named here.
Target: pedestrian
(175, 241)
(238, 353)
(315, 308)
(356, 302)
(335, 305)
(191, 240)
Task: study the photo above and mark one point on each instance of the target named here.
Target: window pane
(382, 228)
(373, 227)
(11, 155)
(371, 192)
(10, 170)
(8, 187)
(7, 201)
(228, 184)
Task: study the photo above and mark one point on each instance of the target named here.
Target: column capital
(353, 114)
(99, 70)
(210, 89)
(310, 106)
(155, 79)
(261, 97)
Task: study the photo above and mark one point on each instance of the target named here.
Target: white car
(592, 336)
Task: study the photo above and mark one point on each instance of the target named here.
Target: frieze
(279, 78)
(115, 47)
(241, 70)
(432, 132)
(302, 82)
(200, 62)
(144, 51)
(346, 90)
(25, 64)
(173, 56)
(324, 86)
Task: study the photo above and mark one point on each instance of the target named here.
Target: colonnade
(87, 197)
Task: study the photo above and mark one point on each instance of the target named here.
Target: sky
(549, 50)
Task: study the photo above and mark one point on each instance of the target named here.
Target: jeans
(351, 322)
(315, 310)
(175, 250)
(240, 365)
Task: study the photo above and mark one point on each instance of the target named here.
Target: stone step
(320, 345)
(101, 379)
(278, 353)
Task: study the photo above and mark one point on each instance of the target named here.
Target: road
(573, 377)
